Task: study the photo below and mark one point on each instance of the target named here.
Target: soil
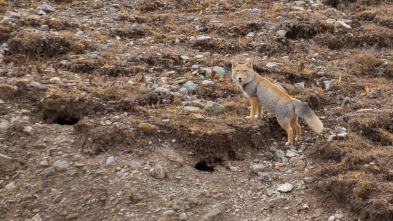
(95, 124)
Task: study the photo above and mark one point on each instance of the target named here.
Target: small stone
(184, 57)
(28, 130)
(183, 216)
(11, 14)
(192, 109)
(10, 185)
(60, 165)
(281, 33)
(269, 192)
(4, 125)
(49, 171)
(291, 153)
(183, 91)
(203, 38)
(339, 216)
(194, 66)
(45, 27)
(47, 8)
(110, 160)
(165, 121)
(219, 70)
(135, 164)
(340, 136)
(38, 85)
(71, 216)
(271, 65)
(328, 85)
(212, 215)
(330, 20)
(190, 86)
(258, 168)
(341, 130)
(158, 172)
(41, 12)
(199, 56)
(300, 84)
(345, 101)
(298, 8)
(44, 163)
(268, 154)
(162, 90)
(169, 212)
(215, 107)
(54, 79)
(331, 218)
(305, 206)
(207, 83)
(265, 176)
(284, 188)
(280, 153)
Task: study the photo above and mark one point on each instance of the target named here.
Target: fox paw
(287, 143)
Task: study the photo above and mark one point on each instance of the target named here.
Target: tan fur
(263, 92)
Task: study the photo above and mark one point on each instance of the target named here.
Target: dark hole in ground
(65, 120)
(203, 166)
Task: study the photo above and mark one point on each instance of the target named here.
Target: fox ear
(234, 64)
(249, 64)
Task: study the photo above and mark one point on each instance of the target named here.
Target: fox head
(242, 73)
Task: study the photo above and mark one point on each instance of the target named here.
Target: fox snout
(240, 80)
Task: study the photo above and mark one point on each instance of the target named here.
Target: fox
(264, 93)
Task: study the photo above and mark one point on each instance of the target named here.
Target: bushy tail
(304, 111)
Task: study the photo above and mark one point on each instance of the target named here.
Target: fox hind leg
(287, 127)
(295, 126)
(259, 110)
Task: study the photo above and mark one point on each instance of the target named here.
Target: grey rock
(183, 216)
(215, 107)
(199, 56)
(331, 218)
(38, 85)
(54, 79)
(341, 130)
(220, 71)
(11, 14)
(190, 86)
(169, 212)
(135, 165)
(257, 168)
(291, 153)
(10, 185)
(60, 165)
(212, 215)
(280, 153)
(194, 66)
(185, 57)
(339, 216)
(265, 176)
(183, 91)
(29, 130)
(345, 101)
(41, 12)
(110, 160)
(44, 163)
(4, 125)
(328, 85)
(281, 33)
(330, 20)
(284, 160)
(165, 121)
(298, 8)
(49, 171)
(284, 188)
(47, 8)
(45, 27)
(186, 103)
(340, 136)
(148, 79)
(203, 38)
(162, 90)
(207, 83)
(271, 65)
(300, 84)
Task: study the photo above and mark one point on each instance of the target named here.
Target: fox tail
(304, 111)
